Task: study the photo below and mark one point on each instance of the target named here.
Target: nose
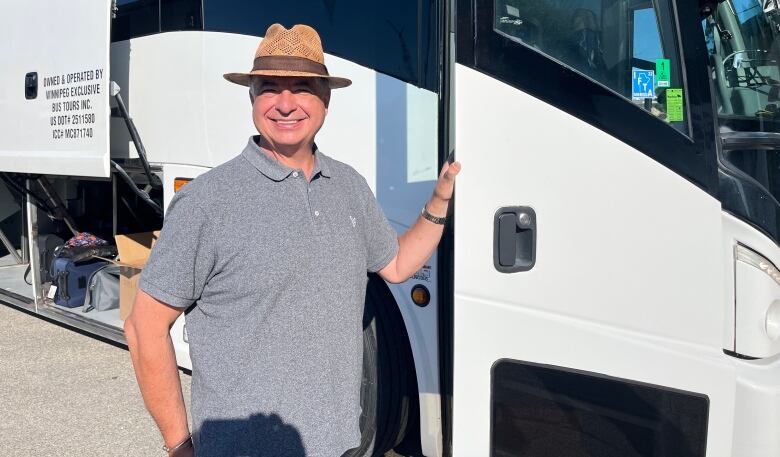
(285, 103)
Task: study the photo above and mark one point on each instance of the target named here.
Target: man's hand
(442, 193)
(418, 243)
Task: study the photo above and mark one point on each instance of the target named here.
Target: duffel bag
(103, 289)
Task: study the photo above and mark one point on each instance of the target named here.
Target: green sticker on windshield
(662, 72)
(674, 105)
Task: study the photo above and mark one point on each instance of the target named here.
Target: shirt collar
(273, 169)
(320, 163)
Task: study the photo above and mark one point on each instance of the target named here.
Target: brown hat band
(289, 63)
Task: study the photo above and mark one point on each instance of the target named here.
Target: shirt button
(295, 174)
(316, 213)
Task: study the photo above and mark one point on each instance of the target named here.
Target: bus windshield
(744, 51)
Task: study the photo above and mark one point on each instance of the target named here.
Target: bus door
(588, 304)
(54, 94)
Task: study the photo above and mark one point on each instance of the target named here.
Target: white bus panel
(54, 102)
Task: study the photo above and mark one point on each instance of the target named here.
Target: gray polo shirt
(277, 269)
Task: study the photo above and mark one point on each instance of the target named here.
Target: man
(273, 248)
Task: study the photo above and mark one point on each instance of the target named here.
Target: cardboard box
(134, 250)
(128, 285)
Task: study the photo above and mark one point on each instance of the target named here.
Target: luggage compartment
(43, 276)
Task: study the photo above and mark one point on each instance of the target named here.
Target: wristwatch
(173, 450)
(435, 219)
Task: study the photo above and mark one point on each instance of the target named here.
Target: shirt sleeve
(183, 257)
(381, 238)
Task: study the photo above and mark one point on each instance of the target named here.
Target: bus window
(743, 45)
(761, 165)
(743, 41)
(620, 44)
(550, 411)
(180, 15)
(397, 39)
(135, 18)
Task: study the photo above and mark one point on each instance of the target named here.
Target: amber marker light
(420, 295)
(178, 183)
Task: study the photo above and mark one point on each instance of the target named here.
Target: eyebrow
(267, 84)
(274, 84)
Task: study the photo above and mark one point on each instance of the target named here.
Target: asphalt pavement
(66, 394)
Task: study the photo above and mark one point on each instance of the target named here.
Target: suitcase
(71, 279)
(47, 244)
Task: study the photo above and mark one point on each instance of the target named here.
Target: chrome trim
(32, 246)
(65, 318)
(19, 301)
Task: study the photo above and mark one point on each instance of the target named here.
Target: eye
(303, 90)
(264, 89)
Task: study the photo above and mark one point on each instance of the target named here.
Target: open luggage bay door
(54, 78)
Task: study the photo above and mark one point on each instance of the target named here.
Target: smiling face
(289, 111)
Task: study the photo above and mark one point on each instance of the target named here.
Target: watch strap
(182, 445)
(430, 217)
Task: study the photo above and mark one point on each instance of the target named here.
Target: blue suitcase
(72, 279)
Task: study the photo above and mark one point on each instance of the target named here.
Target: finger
(455, 167)
(451, 171)
(444, 169)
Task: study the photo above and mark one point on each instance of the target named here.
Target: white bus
(609, 283)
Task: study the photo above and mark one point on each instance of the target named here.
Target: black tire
(389, 388)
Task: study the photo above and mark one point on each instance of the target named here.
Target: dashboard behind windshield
(744, 50)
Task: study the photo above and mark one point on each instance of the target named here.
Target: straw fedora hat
(289, 52)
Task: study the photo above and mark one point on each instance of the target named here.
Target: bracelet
(435, 219)
(178, 446)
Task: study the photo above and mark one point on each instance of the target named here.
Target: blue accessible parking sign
(642, 83)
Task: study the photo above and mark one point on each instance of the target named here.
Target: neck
(296, 157)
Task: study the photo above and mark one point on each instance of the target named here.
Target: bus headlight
(772, 325)
(756, 304)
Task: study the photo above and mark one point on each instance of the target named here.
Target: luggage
(47, 244)
(46, 247)
(103, 289)
(82, 253)
(71, 279)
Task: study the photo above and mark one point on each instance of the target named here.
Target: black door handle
(31, 85)
(514, 239)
